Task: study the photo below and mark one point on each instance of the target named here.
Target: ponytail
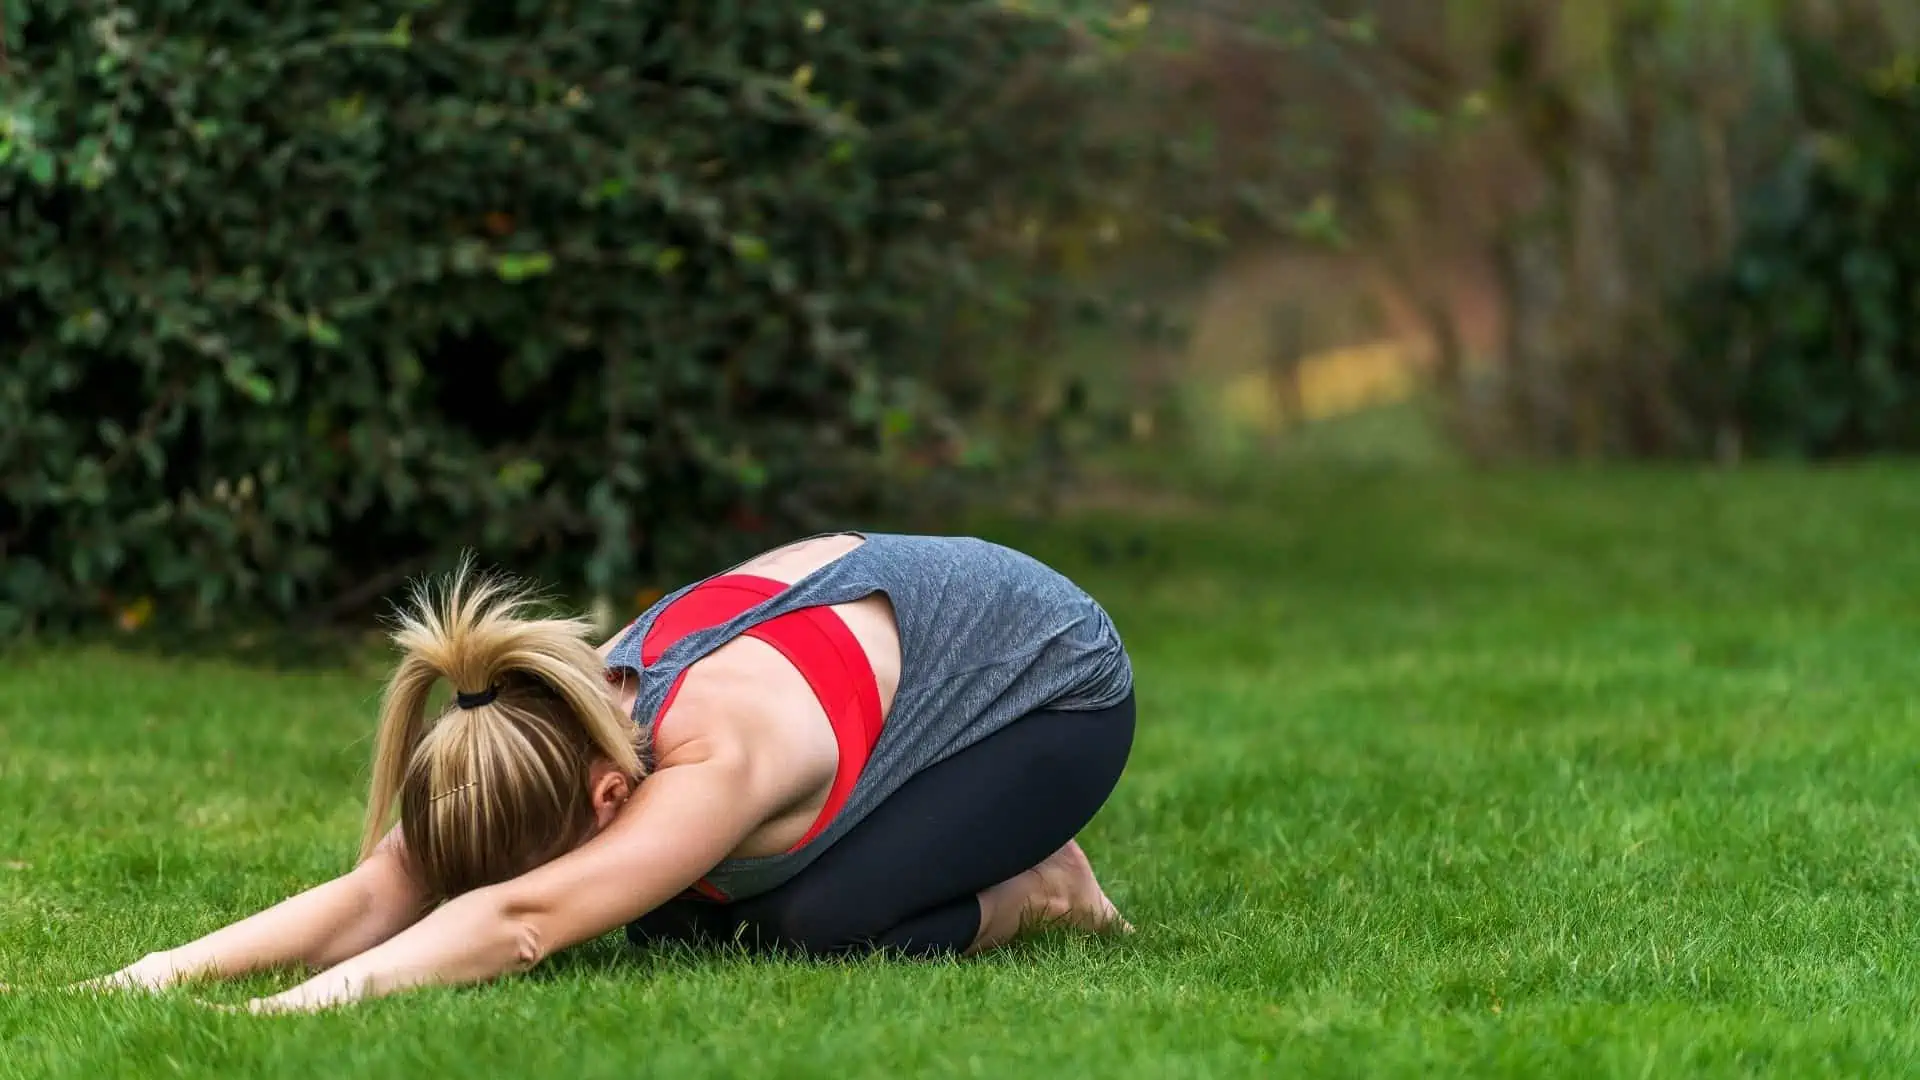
(497, 777)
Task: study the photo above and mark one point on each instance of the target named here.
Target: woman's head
(522, 763)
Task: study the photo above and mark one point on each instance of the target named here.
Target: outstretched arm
(319, 928)
(683, 820)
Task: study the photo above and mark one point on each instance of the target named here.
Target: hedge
(1803, 345)
(299, 300)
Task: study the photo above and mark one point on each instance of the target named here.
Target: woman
(854, 742)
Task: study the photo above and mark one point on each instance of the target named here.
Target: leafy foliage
(295, 302)
(1804, 346)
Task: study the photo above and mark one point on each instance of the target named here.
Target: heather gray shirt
(987, 635)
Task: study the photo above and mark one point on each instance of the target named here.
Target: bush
(1804, 345)
(296, 301)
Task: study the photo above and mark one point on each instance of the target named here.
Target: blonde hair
(488, 792)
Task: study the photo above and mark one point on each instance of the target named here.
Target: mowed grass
(1604, 774)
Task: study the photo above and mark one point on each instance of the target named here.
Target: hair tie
(476, 699)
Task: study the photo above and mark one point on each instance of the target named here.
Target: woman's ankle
(1007, 908)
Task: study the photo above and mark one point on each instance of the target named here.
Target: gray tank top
(987, 635)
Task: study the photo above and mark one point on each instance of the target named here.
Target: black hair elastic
(476, 699)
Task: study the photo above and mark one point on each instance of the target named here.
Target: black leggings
(905, 880)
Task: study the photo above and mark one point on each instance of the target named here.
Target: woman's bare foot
(1061, 891)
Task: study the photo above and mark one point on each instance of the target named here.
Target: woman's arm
(319, 927)
(684, 819)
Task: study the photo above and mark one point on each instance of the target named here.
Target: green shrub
(1806, 344)
(297, 300)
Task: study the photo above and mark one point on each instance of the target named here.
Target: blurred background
(297, 304)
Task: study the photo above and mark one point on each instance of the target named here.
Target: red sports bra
(818, 644)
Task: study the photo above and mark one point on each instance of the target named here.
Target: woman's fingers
(151, 973)
(115, 981)
(119, 980)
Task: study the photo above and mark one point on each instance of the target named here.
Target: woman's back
(964, 636)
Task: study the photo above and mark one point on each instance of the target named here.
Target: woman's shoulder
(745, 694)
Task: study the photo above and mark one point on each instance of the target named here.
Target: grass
(1607, 774)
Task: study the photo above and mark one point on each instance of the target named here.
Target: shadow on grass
(615, 957)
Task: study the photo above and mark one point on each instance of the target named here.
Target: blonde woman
(855, 742)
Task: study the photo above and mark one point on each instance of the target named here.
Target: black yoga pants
(905, 880)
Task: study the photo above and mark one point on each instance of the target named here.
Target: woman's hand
(295, 1002)
(263, 1007)
(151, 973)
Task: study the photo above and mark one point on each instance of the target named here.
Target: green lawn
(1581, 774)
